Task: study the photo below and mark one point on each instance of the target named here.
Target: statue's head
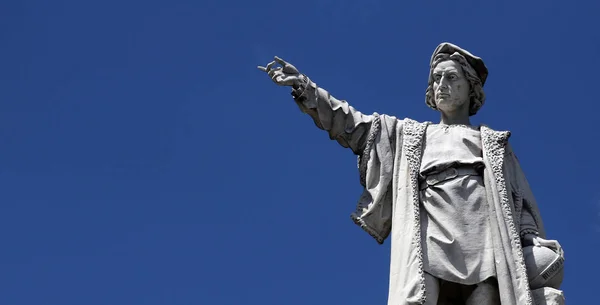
(456, 79)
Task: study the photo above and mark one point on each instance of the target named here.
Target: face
(450, 86)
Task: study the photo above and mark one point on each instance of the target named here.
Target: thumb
(536, 242)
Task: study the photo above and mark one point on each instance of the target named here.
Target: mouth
(443, 95)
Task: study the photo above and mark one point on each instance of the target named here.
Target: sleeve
(374, 210)
(528, 213)
(372, 138)
(528, 223)
(346, 125)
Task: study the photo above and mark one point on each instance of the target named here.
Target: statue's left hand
(532, 239)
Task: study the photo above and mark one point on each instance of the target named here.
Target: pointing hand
(284, 75)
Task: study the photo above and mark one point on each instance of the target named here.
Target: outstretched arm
(343, 123)
(371, 137)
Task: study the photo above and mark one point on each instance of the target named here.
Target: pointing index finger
(269, 65)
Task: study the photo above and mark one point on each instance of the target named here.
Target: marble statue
(463, 223)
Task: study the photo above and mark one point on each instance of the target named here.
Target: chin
(448, 105)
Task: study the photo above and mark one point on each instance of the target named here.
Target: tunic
(456, 237)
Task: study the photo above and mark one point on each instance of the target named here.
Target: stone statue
(465, 227)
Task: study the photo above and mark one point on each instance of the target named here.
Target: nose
(443, 83)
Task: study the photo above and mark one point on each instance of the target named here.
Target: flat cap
(475, 62)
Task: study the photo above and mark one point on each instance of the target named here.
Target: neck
(459, 117)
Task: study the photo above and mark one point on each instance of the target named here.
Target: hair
(477, 96)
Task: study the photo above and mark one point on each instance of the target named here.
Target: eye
(437, 77)
(453, 77)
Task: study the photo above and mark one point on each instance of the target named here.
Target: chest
(447, 145)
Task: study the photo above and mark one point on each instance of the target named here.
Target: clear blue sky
(144, 159)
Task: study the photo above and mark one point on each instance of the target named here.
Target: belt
(447, 174)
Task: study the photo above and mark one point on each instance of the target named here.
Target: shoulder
(391, 120)
(494, 137)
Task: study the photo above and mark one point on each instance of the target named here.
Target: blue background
(145, 160)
